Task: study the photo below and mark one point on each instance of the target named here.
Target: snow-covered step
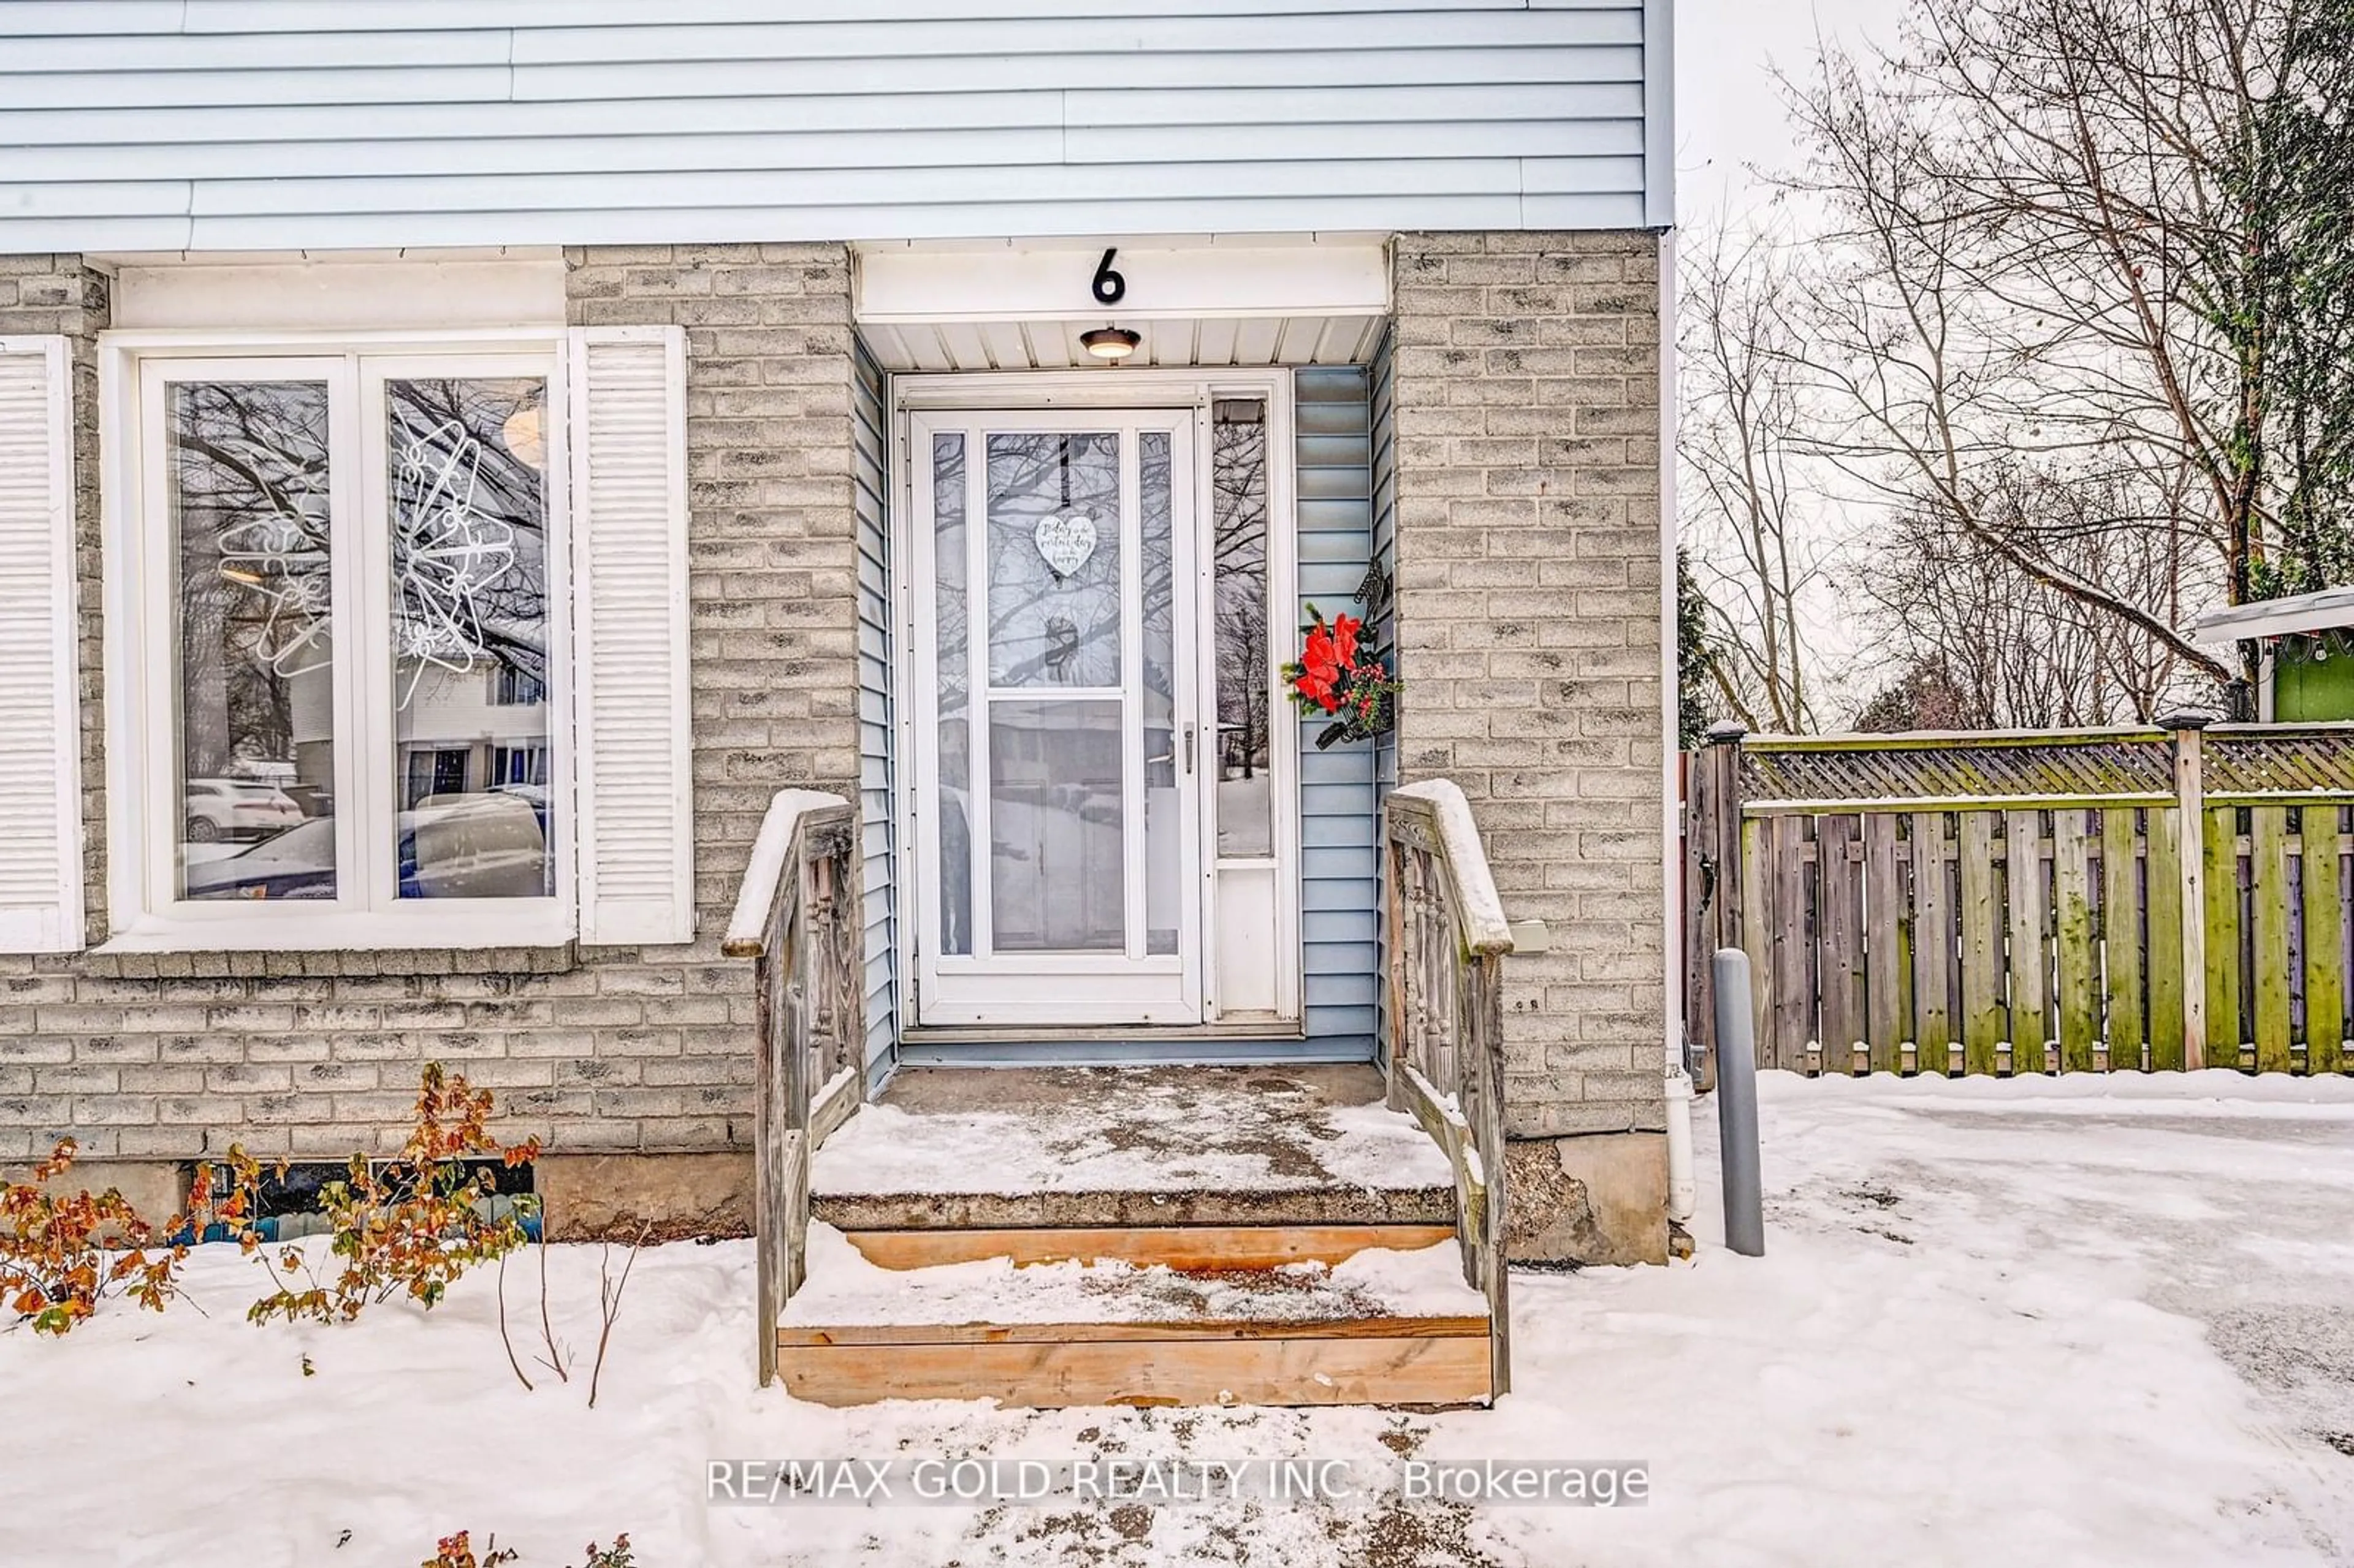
(1384, 1327)
(1129, 1147)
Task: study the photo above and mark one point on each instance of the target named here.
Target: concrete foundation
(599, 1197)
(1599, 1199)
(156, 1190)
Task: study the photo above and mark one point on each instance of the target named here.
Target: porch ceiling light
(1114, 343)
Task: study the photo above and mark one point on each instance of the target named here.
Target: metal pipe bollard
(1736, 1105)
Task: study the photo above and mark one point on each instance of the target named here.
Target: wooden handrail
(797, 917)
(1448, 942)
(1479, 911)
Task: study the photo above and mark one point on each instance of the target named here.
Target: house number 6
(1110, 286)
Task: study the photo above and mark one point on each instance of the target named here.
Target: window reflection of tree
(1239, 510)
(245, 455)
(951, 609)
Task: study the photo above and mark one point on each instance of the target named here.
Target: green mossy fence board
(1933, 946)
(2325, 936)
(2072, 918)
(2219, 846)
(1984, 1019)
(1758, 931)
(1883, 884)
(2031, 994)
(2165, 951)
(1794, 990)
(2269, 899)
(1838, 874)
(2121, 935)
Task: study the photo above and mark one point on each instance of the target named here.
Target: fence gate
(2017, 901)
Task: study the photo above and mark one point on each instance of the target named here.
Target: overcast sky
(1731, 122)
(1728, 110)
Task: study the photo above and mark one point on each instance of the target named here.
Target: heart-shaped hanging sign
(1066, 542)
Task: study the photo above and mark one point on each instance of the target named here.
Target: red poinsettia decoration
(1338, 676)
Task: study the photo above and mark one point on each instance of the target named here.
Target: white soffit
(1218, 341)
(1016, 305)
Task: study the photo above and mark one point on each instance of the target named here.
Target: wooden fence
(2005, 903)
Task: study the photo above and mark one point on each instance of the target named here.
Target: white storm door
(1058, 805)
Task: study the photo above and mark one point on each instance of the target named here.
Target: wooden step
(1373, 1364)
(1181, 1247)
(1381, 1325)
(1454, 1326)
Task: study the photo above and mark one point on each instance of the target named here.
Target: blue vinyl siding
(254, 124)
(1340, 869)
(875, 762)
(1384, 388)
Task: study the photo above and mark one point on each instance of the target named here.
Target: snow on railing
(1448, 941)
(797, 917)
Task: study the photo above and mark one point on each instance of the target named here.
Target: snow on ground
(2032, 1324)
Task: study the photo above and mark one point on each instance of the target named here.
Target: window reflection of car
(452, 846)
(298, 864)
(223, 809)
(476, 846)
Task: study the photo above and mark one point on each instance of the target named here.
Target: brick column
(1528, 420)
(773, 546)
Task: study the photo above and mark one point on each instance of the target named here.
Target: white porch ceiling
(1208, 301)
(1218, 341)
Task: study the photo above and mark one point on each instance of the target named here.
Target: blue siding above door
(266, 124)
(1340, 870)
(877, 760)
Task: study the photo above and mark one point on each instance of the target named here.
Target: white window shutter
(40, 706)
(633, 736)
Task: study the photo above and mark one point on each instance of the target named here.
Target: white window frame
(145, 913)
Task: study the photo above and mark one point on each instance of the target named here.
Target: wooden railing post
(2191, 818)
(797, 919)
(1448, 941)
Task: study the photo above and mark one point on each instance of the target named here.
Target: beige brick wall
(1527, 408)
(593, 1049)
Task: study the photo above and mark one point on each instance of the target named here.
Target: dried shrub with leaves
(615, 1556)
(55, 1266)
(409, 1226)
(457, 1551)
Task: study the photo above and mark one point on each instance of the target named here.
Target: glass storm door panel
(1056, 745)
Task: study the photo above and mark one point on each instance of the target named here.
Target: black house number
(1110, 286)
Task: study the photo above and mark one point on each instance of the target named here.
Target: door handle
(1189, 751)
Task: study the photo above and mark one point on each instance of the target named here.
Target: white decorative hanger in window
(279, 558)
(445, 554)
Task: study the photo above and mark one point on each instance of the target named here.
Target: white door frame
(990, 396)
